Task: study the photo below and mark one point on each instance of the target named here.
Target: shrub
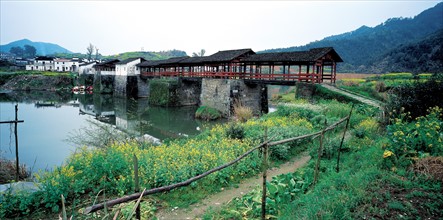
(163, 92)
(416, 98)
(207, 113)
(8, 171)
(366, 127)
(235, 131)
(380, 86)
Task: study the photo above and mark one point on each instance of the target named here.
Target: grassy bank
(377, 178)
(36, 80)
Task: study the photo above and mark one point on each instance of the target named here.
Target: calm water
(51, 117)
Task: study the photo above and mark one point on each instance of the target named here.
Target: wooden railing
(293, 77)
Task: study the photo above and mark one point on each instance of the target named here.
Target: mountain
(360, 47)
(425, 56)
(41, 47)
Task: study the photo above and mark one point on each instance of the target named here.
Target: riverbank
(36, 82)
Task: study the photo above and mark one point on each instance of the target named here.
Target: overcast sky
(121, 26)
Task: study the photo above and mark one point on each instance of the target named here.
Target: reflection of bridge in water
(137, 118)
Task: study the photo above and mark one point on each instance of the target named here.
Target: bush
(207, 113)
(163, 92)
(235, 131)
(416, 98)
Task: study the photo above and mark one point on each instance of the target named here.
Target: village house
(87, 68)
(66, 65)
(42, 63)
(128, 67)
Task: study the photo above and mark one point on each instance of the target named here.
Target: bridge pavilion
(282, 68)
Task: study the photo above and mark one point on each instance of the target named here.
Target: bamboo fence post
(265, 168)
(17, 164)
(136, 186)
(342, 139)
(320, 151)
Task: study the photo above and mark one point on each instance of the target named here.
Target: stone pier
(223, 94)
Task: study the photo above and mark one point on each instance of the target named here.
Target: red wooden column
(335, 73)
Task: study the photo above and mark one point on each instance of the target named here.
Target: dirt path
(359, 98)
(217, 200)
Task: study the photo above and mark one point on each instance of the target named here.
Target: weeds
(241, 112)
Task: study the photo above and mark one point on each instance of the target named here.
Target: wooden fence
(265, 145)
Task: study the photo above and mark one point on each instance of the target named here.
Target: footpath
(353, 96)
(215, 201)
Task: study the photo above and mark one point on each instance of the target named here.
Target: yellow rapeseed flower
(387, 153)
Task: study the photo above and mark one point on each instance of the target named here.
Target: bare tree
(96, 53)
(89, 51)
(199, 54)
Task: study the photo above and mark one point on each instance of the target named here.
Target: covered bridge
(315, 65)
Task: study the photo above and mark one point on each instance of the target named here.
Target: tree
(30, 51)
(18, 51)
(89, 51)
(96, 53)
(199, 54)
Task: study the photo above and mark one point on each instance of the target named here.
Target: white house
(66, 65)
(127, 67)
(86, 68)
(42, 63)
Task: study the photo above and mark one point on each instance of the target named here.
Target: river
(50, 118)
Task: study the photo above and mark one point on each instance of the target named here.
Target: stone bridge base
(223, 94)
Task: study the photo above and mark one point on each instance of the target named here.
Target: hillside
(425, 56)
(148, 55)
(41, 47)
(360, 47)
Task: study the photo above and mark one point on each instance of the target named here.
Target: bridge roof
(228, 55)
(294, 57)
(193, 60)
(154, 63)
(249, 56)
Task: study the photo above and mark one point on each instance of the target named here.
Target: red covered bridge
(314, 66)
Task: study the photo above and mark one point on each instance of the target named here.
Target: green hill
(148, 55)
(360, 47)
(42, 48)
(425, 56)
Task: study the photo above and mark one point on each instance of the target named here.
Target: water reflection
(137, 117)
(50, 117)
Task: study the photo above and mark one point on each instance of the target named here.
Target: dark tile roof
(228, 55)
(170, 61)
(130, 60)
(109, 63)
(85, 64)
(193, 60)
(298, 56)
(44, 58)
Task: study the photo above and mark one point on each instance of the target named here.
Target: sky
(122, 26)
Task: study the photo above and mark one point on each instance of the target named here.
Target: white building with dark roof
(42, 63)
(128, 67)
